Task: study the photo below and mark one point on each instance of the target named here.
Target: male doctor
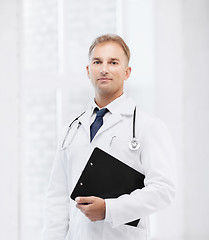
(108, 124)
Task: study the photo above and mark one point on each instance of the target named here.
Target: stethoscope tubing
(70, 128)
(134, 124)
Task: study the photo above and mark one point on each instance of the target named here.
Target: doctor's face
(107, 69)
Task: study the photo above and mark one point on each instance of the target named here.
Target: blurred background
(43, 84)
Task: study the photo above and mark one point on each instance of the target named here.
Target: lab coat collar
(118, 108)
(121, 105)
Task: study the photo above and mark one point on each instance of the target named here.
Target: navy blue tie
(95, 126)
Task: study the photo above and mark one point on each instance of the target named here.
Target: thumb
(83, 200)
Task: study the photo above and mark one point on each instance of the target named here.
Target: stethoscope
(133, 144)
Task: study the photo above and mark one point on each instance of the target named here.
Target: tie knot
(101, 112)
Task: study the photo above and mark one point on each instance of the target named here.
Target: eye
(96, 62)
(114, 63)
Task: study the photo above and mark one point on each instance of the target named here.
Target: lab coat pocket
(141, 224)
(131, 232)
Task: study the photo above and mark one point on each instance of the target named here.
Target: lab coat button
(81, 184)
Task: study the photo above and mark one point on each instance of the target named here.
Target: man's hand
(92, 207)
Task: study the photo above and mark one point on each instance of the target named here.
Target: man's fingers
(84, 200)
(82, 203)
(91, 207)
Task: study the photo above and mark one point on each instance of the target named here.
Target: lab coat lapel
(111, 121)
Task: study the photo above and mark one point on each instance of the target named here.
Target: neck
(103, 101)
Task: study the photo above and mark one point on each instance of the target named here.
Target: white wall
(137, 28)
(9, 117)
(196, 118)
(182, 45)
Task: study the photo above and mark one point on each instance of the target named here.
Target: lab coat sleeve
(157, 157)
(56, 216)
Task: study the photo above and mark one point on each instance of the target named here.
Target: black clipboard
(105, 176)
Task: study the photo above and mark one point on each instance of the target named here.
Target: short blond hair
(111, 38)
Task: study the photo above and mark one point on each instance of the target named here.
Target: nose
(104, 69)
(102, 72)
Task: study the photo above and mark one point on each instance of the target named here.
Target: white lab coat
(155, 159)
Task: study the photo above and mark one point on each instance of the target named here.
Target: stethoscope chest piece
(134, 144)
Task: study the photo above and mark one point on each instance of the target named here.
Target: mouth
(104, 79)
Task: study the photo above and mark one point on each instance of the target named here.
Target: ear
(87, 70)
(127, 73)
